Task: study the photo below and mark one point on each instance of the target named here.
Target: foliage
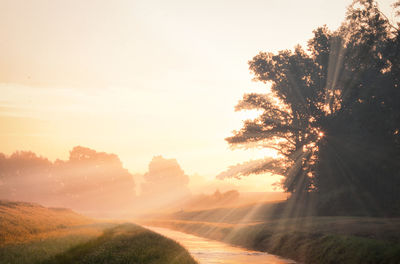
(333, 113)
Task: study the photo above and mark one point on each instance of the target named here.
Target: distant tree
(165, 182)
(25, 176)
(89, 181)
(333, 114)
(94, 181)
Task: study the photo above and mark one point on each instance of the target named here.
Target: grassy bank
(21, 222)
(308, 239)
(48, 244)
(30, 233)
(127, 243)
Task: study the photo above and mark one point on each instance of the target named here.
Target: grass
(21, 222)
(47, 245)
(127, 243)
(30, 233)
(308, 239)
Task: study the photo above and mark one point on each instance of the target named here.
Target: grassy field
(307, 239)
(124, 244)
(46, 245)
(20, 221)
(30, 233)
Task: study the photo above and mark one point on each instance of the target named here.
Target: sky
(143, 78)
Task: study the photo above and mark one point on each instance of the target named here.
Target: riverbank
(31, 233)
(307, 239)
(207, 251)
(126, 243)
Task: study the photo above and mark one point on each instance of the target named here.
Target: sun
(249, 114)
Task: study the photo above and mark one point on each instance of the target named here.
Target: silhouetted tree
(89, 181)
(95, 181)
(25, 176)
(165, 183)
(333, 113)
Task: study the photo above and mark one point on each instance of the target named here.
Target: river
(207, 251)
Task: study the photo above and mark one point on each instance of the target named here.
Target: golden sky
(141, 78)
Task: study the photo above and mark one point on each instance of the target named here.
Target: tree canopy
(333, 113)
(165, 178)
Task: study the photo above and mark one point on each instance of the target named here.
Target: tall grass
(126, 244)
(30, 233)
(49, 244)
(20, 221)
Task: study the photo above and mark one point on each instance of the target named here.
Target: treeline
(94, 183)
(88, 181)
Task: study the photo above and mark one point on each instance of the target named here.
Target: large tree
(333, 113)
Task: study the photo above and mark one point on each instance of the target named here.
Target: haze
(142, 78)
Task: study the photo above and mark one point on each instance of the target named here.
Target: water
(207, 251)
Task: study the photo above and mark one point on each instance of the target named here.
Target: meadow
(48, 244)
(126, 243)
(31, 233)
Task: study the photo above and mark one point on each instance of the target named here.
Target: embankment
(307, 239)
(126, 243)
(31, 233)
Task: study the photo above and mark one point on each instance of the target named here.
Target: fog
(97, 184)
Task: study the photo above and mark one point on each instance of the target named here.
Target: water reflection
(207, 251)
